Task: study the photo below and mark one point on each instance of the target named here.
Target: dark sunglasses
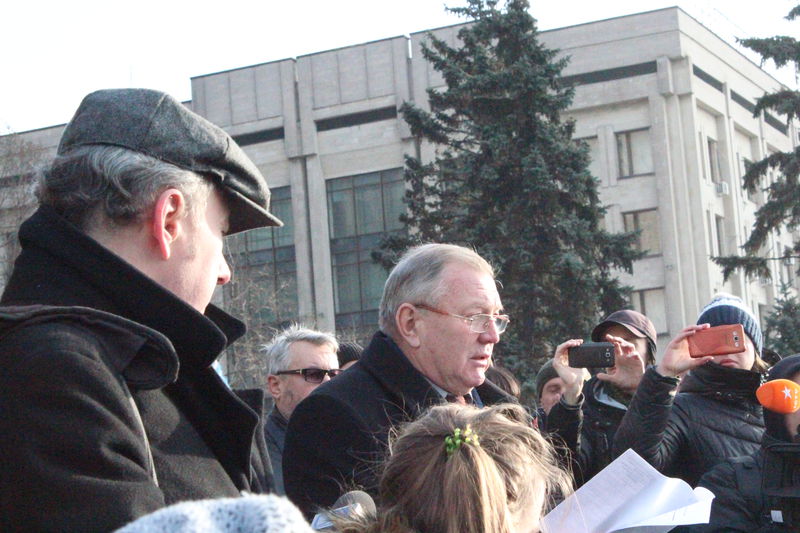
(313, 375)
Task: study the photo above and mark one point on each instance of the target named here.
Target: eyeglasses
(313, 375)
(479, 323)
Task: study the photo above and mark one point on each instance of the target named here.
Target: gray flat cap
(156, 124)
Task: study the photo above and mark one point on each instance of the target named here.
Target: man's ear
(406, 323)
(168, 211)
(274, 386)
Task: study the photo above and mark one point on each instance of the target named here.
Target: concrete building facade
(664, 104)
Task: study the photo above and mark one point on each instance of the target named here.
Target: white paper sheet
(630, 495)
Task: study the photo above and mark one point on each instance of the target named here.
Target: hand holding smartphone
(591, 355)
(718, 340)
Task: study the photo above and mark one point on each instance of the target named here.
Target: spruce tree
(781, 332)
(509, 180)
(780, 211)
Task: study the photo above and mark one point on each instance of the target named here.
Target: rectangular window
(719, 223)
(741, 163)
(652, 304)
(270, 238)
(713, 160)
(788, 272)
(703, 157)
(362, 210)
(744, 163)
(710, 227)
(264, 286)
(634, 153)
(647, 224)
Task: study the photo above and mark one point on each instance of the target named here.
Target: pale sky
(57, 51)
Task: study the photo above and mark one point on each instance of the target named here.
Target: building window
(713, 160)
(274, 238)
(788, 271)
(652, 304)
(634, 153)
(744, 162)
(264, 286)
(703, 168)
(362, 211)
(647, 224)
(719, 223)
(709, 227)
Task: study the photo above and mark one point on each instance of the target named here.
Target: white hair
(417, 278)
(277, 350)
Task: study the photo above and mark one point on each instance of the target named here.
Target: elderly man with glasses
(298, 361)
(440, 317)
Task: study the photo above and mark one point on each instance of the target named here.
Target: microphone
(355, 502)
(780, 396)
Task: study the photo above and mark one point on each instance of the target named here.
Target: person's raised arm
(650, 427)
(573, 378)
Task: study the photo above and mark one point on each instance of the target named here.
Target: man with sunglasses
(298, 361)
(440, 317)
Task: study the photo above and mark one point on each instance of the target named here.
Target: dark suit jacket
(337, 436)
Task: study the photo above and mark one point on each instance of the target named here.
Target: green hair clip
(453, 442)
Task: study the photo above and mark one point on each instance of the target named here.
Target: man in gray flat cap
(109, 407)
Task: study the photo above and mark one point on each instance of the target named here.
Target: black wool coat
(337, 436)
(77, 327)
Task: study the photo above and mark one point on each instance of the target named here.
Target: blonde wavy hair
(479, 488)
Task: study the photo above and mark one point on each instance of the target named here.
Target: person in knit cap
(588, 413)
(549, 387)
(742, 486)
(714, 416)
(348, 354)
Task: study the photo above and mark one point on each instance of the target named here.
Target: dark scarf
(724, 384)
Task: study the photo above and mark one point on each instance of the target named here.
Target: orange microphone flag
(779, 395)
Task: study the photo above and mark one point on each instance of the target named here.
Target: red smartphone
(719, 340)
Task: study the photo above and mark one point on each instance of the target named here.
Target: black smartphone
(591, 355)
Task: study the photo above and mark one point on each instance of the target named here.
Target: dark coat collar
(387, 363)
(61, 266)
(722, 383)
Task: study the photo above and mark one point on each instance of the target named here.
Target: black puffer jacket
(714, 417)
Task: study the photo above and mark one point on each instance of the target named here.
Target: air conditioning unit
(722, 188)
